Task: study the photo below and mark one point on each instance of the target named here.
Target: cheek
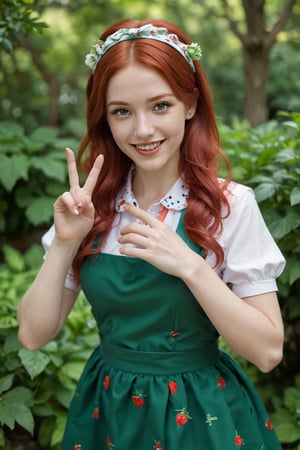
(117, 131)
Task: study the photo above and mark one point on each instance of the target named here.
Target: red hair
(200, 150)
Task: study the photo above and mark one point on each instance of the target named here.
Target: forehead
(136, 81)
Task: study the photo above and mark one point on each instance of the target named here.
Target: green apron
(158, 380)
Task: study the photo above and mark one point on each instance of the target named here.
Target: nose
(143, 127)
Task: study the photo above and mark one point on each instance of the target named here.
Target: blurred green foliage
(36, 387)
(43, 81)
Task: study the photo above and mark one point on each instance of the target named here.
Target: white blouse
(252, 260)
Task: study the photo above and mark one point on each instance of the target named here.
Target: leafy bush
(33, 174)
(36, 387)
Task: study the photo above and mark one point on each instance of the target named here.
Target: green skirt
(141, 400)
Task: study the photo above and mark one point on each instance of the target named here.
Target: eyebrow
(149, 100)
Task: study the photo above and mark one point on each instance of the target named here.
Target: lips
(149, 149)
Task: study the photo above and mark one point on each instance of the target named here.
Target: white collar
(175, 199)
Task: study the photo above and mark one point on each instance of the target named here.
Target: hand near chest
(154, 242)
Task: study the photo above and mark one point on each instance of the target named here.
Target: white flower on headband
(190, 52)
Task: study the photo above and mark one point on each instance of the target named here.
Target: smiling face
(146, 120)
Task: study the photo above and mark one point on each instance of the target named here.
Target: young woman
(170, 257)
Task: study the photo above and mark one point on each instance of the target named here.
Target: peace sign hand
(74, 211)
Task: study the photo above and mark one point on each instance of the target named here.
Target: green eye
(162, 106)
(120, 112)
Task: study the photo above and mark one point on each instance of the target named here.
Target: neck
(150, 188)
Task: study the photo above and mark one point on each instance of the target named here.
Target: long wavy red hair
(200, 150)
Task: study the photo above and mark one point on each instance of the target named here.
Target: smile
(148, 147)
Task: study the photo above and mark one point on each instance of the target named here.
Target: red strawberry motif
(158, 446)
(268, 424)
(182, 417)
(106, 382)
(172, 387)
(138, 400)
(109, 445)
(174, 334)
(96, 414)
(238, 440)
(221, 382)
(77, 447)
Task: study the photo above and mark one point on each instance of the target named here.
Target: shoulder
(242, 201)
(239, 194)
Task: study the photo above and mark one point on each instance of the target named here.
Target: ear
(190, 111)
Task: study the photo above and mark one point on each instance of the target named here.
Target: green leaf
(287, 432)
(45, 431)
(63, 395)
(50, 167)
(11, 342)
(285, 426)
(2, 438)
(264, 191)
(73, 369)
(284, 225)
(291, 124)
(12, 169)
(13, 258)
(44, 135)
(286, 155)
(34, 362)
(40, 210)
(292, 398)
(24, 417)
(60, 425)
(6, 382)
(6, 413)
(43, 410)
(15, 405)
(295, 196)
(19, 395)
(8, 322)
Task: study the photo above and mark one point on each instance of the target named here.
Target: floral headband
(190, 52)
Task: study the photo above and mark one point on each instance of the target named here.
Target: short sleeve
(252, 259)
(47, 238)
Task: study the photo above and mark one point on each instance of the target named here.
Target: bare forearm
(247, 329)
(42, 310)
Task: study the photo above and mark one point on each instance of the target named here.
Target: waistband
(159, 363)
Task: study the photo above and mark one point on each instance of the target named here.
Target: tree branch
(281, 22)
(49, 77)
(233, 24)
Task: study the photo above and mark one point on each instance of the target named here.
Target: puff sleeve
(252, 259)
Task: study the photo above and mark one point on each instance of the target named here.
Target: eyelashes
(158, 107)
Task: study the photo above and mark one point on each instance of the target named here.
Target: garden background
(251, 56)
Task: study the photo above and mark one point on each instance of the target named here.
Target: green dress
(158, 380)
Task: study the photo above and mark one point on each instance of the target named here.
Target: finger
(136, 228)
(93, 176)
(66, 201)
(134, 239)
(134, 252)
(72, 168)
(140, 214)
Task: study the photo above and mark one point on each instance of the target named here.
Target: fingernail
(76, 211)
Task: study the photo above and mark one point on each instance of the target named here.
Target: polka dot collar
(175, 200)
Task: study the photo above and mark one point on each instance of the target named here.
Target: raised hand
(155, 242)
(74, 211)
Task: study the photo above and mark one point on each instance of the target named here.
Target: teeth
(148, 147)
